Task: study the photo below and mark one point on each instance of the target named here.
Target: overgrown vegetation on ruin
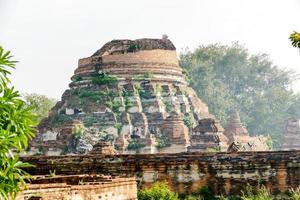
(134, 145)
(104, 79)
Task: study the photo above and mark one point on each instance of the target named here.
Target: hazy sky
(49, 36)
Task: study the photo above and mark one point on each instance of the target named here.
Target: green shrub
(260, 194)
(188, 121)
(205, 193)
(148, 75)
(144, 93)
(168, 106)
(76, 78)
(162, 141)
(158, 89)
(104, 79)
(116, 106)
(295, 193)
(17, 127)
(78, 132)
(128, 103)
(134, 145)
(132, 48)
(126, 93)
(89, 121)
(118, 126)
(158, 191)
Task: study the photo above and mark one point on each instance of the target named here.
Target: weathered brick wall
(60, 188)
(156, 56)
(187, 172)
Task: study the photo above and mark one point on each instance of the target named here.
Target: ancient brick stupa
(208, 136)
(240, 140)
(131, 94)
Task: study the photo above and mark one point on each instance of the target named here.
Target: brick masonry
(226, 173)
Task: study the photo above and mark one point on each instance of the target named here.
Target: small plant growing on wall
(168, 106)
(188, 121)
(127, 93)
(128, 103)
(148, 75)
(132, 48)
(158, 89)
(162, 141)
(104, 79)
(76, 78)
(89, 121)
(134, 145)
(78, 132)
(116, 105)
(118, 126)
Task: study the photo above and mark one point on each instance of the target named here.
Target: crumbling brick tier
(226, 173)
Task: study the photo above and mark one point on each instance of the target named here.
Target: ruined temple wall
(121, 189)
(187, 172)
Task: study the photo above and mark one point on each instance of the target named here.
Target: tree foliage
(295, 39)
(229, 77)
(40, 104)
(16, 128)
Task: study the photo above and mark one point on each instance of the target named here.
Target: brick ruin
(239, 138)
(80, 187)
(225, 173)
(131, 94)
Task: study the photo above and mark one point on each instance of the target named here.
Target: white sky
(49, 36)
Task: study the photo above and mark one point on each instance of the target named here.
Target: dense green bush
(260, 194)
(158, 191)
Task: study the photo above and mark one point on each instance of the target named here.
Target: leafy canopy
(229, 77)
(16, 128)
(40, 104)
